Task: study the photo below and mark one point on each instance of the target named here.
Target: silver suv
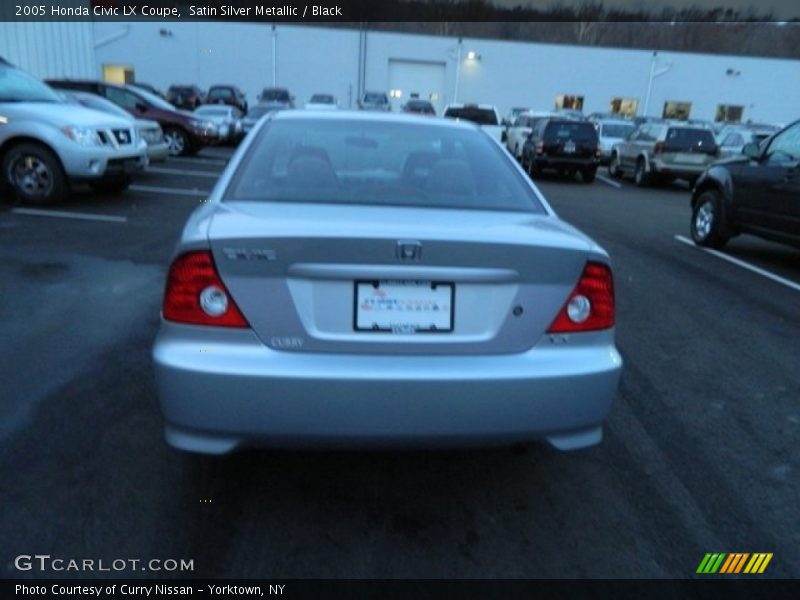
(664, 151)
(375, 101)
(46, 143)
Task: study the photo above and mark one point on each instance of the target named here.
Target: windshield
(481, 116)
(220, 93)
(97, 103)
(18, 86)
(322, 99)
(151, 98)
(686, 138)
(275, 95)
(617, 130)
(401, 164)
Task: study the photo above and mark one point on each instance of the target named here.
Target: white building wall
(311, 59)
(50, 49)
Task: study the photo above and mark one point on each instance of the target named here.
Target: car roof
(366, 116)
(471, 105)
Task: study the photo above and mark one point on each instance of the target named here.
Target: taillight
(196, 295)
(597, 151)
(590, 306)
(539, 147)
(658, 148)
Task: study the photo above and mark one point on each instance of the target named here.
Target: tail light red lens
(196, 295)
(597, 151)
(658, 148)
(539, 147)
(590, 306)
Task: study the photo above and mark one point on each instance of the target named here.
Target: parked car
(374, 101)
(732, 139)
(513, 114)
(227, 94)
(187, 97)
(611, 132)
(322, 102)
(521, 128)
(228, 120)
(184, 133)
(570, 113)
(664, 151)
(253, 115)
(756, 193)
(337, 308)
(419, 107)
(47, 144)
(485, 115)
(149, 131)
(276, 98)
(567, 146)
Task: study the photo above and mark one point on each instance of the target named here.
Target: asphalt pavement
(700, 451)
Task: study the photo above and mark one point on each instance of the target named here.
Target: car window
(220, 93)
(785, 146)
(687, 137)
(122, 98)
(570, 130)
(481, 116)
(376, 98)
(402, 164)
(615, 130)
(18, 86)
(733, 139)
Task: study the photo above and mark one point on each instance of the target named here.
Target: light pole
(653, 75)
(458, 70)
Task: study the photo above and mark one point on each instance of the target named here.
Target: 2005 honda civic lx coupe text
(365, 279)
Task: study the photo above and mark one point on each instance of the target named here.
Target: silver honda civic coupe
(375, 280)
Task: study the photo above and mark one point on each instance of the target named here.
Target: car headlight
(202, 124)
(83, 136)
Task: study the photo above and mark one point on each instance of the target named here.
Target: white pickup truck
(484, 115)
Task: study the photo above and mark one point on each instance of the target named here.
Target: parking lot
(700, 452)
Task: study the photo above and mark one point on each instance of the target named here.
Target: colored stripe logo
(733, 563)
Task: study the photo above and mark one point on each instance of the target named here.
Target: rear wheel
(640, 175)
(35, 174)
(177, 141)
(708, 226)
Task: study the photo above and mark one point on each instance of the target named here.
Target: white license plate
(569, 147)
(404, 306)
(691, 159)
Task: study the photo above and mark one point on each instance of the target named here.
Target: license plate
(404, 306)
(569, 147)
(692, 159)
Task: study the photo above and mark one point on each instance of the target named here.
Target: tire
(177, 141)
(708, 226)
(588, 175)
(613, 167)
(35, 174)
(112, 184)
(640, 175)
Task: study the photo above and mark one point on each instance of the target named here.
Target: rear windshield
(376, 98)
(573, 130)
(322, 99)
(213, 111)
(617, 130)
(481, 116)
(686, 138)
(380, 163)
(419, 106)
(279, 95)
(220, 93)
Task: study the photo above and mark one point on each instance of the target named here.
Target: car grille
(116, 137)
(124, 137)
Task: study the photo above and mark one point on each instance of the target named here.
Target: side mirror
(751, 150)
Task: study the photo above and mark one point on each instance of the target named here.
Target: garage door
(424, 80)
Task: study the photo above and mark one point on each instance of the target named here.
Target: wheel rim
(704, 220)
(175, 142)
(612, 167)
(32, 176)
(639, 172)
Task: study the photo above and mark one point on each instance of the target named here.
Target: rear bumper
(677, 170)
(561, 162)
(222, 390)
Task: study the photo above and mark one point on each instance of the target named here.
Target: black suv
(227, 94)
(276, 98)
(187, 97)
(566, 145)
(756, 193)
